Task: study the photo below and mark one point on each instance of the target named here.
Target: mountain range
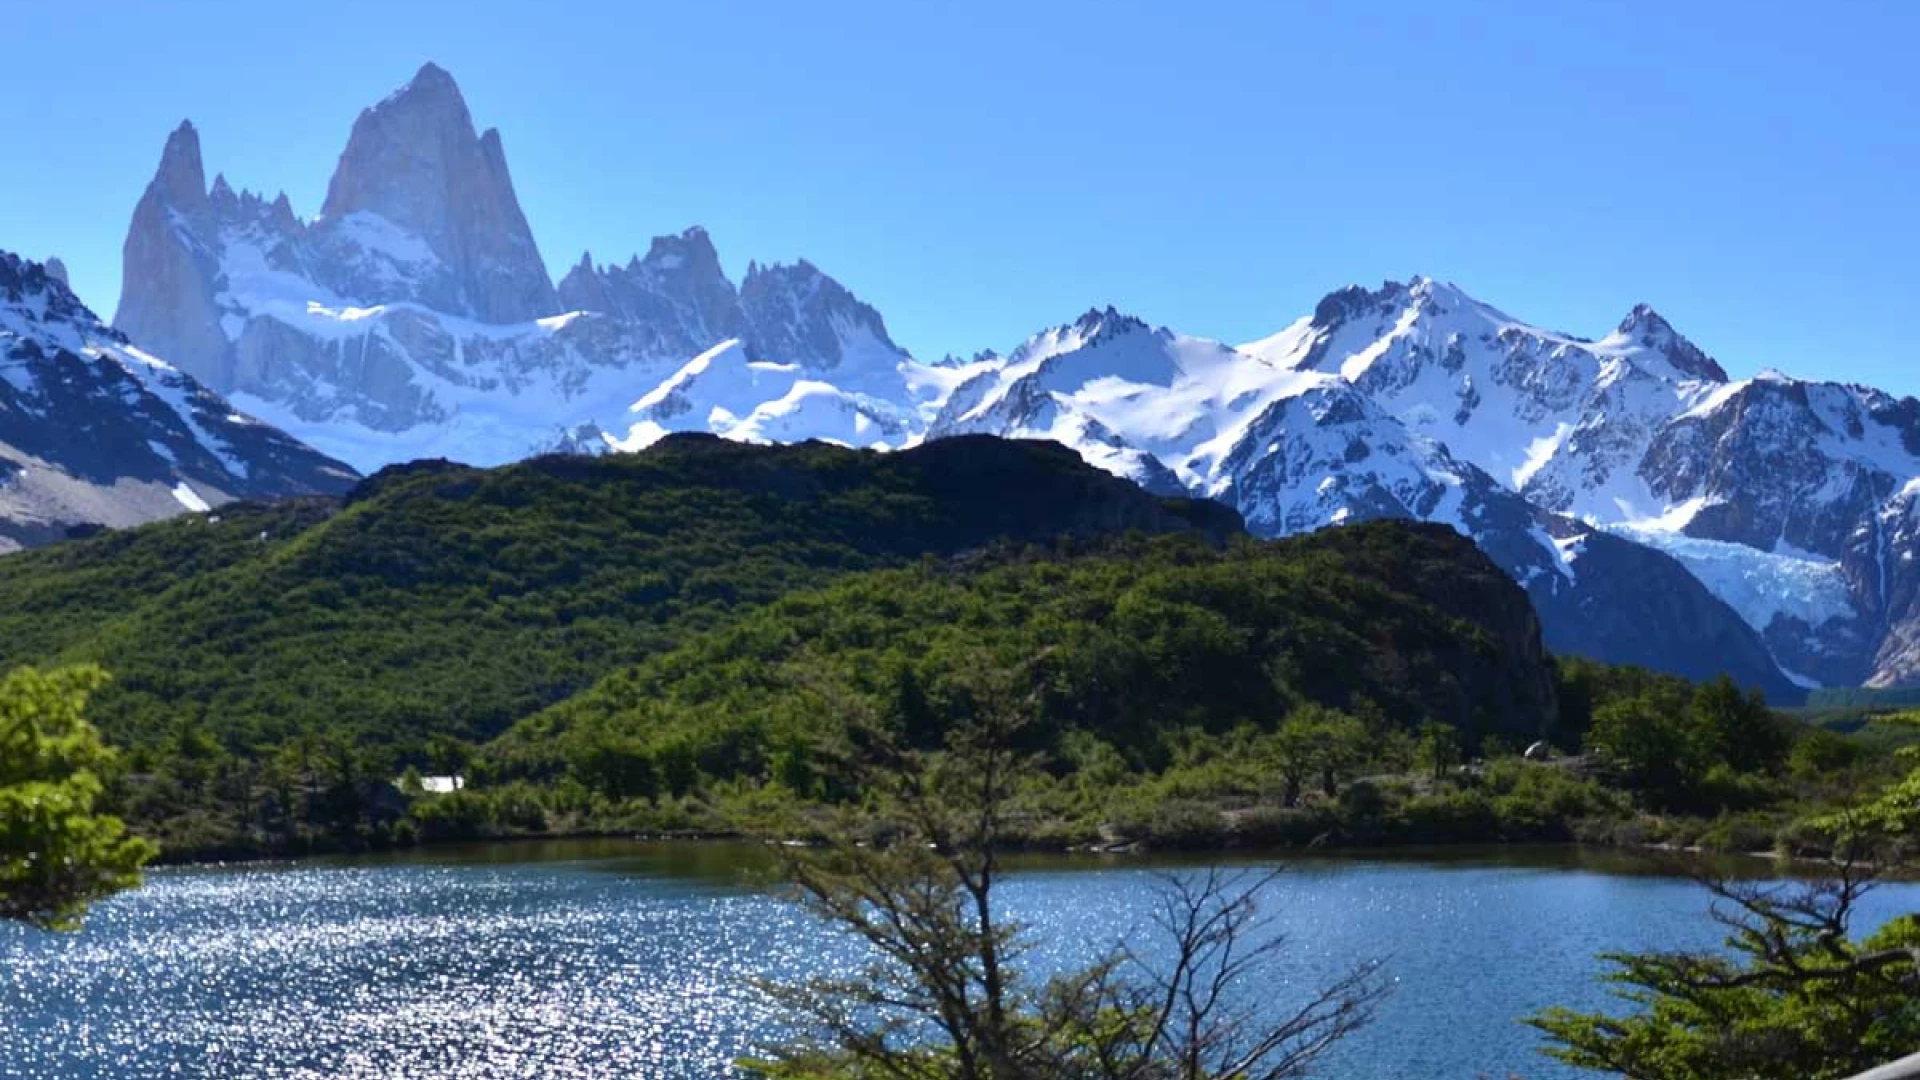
(1655, 510)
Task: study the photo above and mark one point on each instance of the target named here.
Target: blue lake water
(606, 959)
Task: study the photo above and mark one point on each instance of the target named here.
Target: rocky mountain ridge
(94, 431)
(1620, 479)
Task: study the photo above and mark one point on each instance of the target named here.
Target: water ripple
(579, 969)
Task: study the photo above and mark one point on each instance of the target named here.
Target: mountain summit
(414, 166)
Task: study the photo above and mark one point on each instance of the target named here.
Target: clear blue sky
(979, 170)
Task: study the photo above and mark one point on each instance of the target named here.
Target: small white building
(435, 785)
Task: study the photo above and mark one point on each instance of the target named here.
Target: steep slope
(446, 599)
(1134, 642)
(95, 431)
(414, 317)
(413, 163)
(1759, 487)
(1294, 449)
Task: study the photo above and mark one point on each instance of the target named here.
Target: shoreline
(1650, 857)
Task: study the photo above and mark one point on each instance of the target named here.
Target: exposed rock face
(1635, 605)
(415, 173)
(414, 317)
(168, 269)
(796, 314)
(94, 431)
(1656, 335)
(678, 294)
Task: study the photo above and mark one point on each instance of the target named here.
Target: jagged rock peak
(181, 180)
(1647, 324)
(1443, 293)
(43, 298)
(692, 247)
(798, 270)
(1098, 324)
(1650, 329)
(424, 124)
(22, 277)
(168, 264)
(799, 313)
(1341, 305)
(432, 84)
(280, 213)
(415, 161)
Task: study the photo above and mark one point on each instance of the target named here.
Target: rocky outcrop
(1634, 605)
(170, 263)
(414, 175)
(796, 314)
(1657, 336)
(677, 295)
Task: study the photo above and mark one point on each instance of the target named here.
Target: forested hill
(1137, 647)
(441, 599)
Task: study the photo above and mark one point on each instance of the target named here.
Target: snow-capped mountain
(1765, 488)
(414, 317)
(1784, 498)
(96, 431)
(1655, 509)
(1294, 448)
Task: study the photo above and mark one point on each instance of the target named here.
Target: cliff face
(169, 271)
(414, 172)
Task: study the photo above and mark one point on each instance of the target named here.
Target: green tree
(1315, 743)
(1819, 752)
(1794, 997)
(1438, 748)
(1655, 750)
(1345, 750)
(1294, 750)
(1891, 818)
(57, 854)
(619, 769)
(1743, 731)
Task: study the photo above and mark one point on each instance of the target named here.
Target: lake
(596, 959)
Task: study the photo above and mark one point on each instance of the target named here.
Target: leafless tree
(913, 874)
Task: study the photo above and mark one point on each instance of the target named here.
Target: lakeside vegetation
(821, 645)
(639, 644)
(58, 853)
